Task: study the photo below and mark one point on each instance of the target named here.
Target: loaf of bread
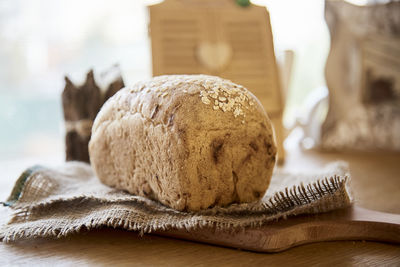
(190, 142)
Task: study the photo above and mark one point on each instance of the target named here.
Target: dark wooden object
(81, 105)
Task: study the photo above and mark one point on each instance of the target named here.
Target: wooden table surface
(375, 182)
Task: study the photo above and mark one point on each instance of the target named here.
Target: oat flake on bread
(189, 141)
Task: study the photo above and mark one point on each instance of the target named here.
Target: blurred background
(43, 40)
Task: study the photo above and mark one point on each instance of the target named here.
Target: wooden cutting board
(353, 223)
(221, 38)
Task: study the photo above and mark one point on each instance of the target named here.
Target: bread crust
(188, 141)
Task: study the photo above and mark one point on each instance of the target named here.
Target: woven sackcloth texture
(49, 202)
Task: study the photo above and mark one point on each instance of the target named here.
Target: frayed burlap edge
(144, 216)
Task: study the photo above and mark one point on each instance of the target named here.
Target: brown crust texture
(189, 141)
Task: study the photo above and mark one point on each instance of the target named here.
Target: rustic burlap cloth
(56, 202)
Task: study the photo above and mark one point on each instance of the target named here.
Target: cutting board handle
(354, 223)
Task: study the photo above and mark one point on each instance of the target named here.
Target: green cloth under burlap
(56, 202)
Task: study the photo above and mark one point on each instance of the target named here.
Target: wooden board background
(219, 38)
